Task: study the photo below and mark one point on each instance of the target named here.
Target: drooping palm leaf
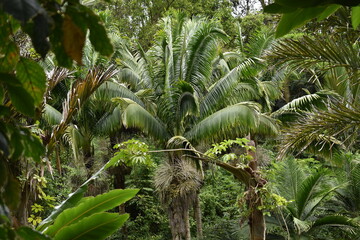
(235, 120)
(77, 96)
(336, 221)
(136, 116)
(51, 115)
(323, 130)
(109, 90)
(110, 122)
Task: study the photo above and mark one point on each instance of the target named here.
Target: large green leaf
(336, 220)
(51, 115)
(70, 202)
(89, 206)
(95, 227)
(73, 39)
(33, 79)
(300, 16)
(9, 56)
(20, 98)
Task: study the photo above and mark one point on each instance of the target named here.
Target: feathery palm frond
(305, 103)
(77, 96)
(260, 42)
(339, 126)
(202, 49)
(332, 51)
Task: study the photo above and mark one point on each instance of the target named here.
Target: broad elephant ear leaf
(89, 206)
(70, 202)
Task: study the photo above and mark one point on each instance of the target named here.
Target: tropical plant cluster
(179, 119)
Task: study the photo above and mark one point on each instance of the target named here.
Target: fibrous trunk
(179, 219)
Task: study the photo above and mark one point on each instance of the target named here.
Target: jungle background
(179, 119)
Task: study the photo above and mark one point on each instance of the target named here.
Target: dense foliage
(179, 119)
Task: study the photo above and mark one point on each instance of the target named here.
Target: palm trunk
(256, 218)
(197, 213)
(179, 219)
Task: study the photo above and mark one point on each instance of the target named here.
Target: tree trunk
(256, 218)
(179, 219)
(263, 4)
(197, 213)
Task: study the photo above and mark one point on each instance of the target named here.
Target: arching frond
(323, 130)
(202, 49)
(260, 42)
(109, 90)
(332, 51)
(51, 115)
(137, 117)
(223, 86)
(232, 121)
(187, 105)
(305, 103)
(110, 122)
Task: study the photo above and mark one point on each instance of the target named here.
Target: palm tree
(191, 104)
(328, 119)
(307, 192)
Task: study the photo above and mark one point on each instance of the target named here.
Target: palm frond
(323, 131)
(232, 121)
(334, 51)
(51, 115)
(110, 122)
(305, 103)
(260, 42)
(336, 221)
(223, 87)
(202, 51)
(289, 178)
(137, 117)
(77, 96)
(109, 90)
(305, 193)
